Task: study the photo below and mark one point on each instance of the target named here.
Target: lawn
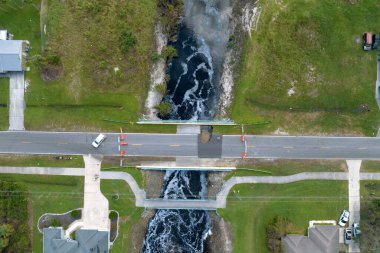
(253, 206)
(262, 167)
(314, 47)
(97, 81)
(58, 194)
(4, 103)
(41, 161)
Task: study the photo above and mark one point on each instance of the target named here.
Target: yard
(59, 194)
(305, 71)
(4, 103)
(251, 207)
(79, 75)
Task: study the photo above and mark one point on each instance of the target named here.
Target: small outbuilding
(13, 55)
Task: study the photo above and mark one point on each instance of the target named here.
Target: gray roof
(86, 241)
(10, 55)
(321, 239)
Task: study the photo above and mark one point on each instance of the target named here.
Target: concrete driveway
(17, 103)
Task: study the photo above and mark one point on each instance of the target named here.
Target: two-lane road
(186, 145)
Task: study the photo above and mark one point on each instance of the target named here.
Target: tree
(6, 231)
(127, 40)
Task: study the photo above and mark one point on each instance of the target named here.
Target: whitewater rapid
(192, 91)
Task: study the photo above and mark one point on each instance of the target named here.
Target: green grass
(58, 194)
(41, 161)
(89, 89)
(370, 166)
(286, 167)
(4, 103)
(256, 205)
(312, 45)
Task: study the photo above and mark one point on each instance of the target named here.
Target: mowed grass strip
(4, 103)
(59, 194)
(313, 48)
(251, 207)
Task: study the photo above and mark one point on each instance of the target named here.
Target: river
(193, 94)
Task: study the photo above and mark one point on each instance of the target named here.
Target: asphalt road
(186, 145)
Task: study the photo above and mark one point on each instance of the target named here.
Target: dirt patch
(51, 72)
(221, 239)
(139, 230)
(215, 182)
(154, 183)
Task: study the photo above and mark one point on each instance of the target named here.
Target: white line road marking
(325, 147)
(287, 147)
(136, 144)
(26, 142)
(362, 148)
(174, 145)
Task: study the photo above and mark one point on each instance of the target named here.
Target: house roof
(85, 241)
(10, 55)
(321, 239)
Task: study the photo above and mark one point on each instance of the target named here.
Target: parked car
(367, 41)
(343, 218)
(99, 140)
(347, 235)
(356, 229)
(375, 41)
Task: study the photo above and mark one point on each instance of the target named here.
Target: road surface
(187, 145)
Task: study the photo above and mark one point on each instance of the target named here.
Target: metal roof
(10, 55)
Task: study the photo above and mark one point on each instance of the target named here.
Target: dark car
(375, 41)
(367, 41)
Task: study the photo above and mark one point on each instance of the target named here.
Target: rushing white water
(192, 91)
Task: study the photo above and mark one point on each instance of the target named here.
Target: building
(5, 35)
(13, 55)
(320, 239)
(86, 240)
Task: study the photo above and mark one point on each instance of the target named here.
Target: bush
(169, 52)
(161, 88)
(76, 214)
(127, 40)
(113, 215)
(156, 56)
(164, 108)
(55, 223)
(275, 231)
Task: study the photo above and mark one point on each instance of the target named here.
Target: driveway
(354, 197)
(17, 103)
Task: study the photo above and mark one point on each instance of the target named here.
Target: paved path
(186, 145)
(354, 197)
(17, 103)
(221, 198)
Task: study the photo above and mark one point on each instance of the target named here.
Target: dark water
(192, 91)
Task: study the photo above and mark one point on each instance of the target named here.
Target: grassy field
(97, 81)
(58, 194)
(250, 210)
(370, 166)
(315, 47)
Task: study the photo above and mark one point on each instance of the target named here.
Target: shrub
(127, 40)
(55, 222)
(156, 56)
(76, 214)
(169, 52)
(113, 215)
(275, 231)
(164, 108)
(6, 231)
(161, 88)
